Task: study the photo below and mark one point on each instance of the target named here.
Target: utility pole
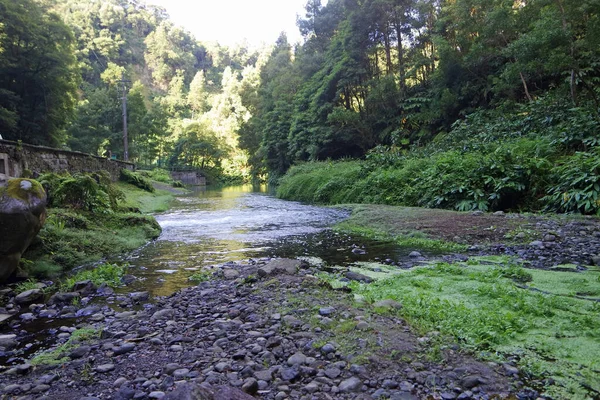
(124, 82)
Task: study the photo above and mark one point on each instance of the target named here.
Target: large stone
(191, 391)
(22, 215)
(28, 296)
(280, 266)
(8, 341)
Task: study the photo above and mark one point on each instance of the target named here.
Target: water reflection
(210, 227)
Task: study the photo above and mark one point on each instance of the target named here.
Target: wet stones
(284, 266)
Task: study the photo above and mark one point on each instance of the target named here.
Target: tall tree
(38, 73)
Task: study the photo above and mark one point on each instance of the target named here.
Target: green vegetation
(59, 355)
(399, 225)
(136, 180)
(89, 218)
(484, 163)
(109, 274)
(201, 276)
(487, 305)
(146, 202)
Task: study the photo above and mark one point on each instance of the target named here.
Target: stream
(234, 224)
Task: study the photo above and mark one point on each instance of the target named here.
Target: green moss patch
(487, 305)
(15, 190)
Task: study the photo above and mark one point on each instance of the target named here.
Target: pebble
(105, 368)
(352, 384)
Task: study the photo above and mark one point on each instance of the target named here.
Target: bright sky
(230, 21)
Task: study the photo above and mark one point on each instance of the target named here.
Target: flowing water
(212, 227)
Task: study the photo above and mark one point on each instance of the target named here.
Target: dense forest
(406, 86)
(64, 63)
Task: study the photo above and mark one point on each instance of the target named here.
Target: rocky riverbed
(259, 328)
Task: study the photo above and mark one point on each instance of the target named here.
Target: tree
(38, 73)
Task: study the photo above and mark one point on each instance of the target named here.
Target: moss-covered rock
(22, 215)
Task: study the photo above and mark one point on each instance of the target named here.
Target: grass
(59, 355)
(384, 224)
(71, 239)
(146, 202)
(486, 307)
(201, 276)
(109, 274)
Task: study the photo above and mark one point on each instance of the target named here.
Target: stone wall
(193, 178)
(16, 158)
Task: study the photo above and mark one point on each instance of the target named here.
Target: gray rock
(157, 395)
(448, 396)
(193, 391)
(325, 311)
(229, 273)
(469, 382)
(8, 341)
(333, 373)
(139, 296)
(105, 368)
(403, 396)
(84, 287)
(295, 359)
(162, 314)
(265, 375)
(352, 384)
(537, 243)
(284, 266)
(250, 386)
(58, 298)
(124, 348)
(170, 368)
(40, 389)
(290, 374)
(180, 373)
(22, 215)
(28, 296)
(327, 348)
(510, 370)
(415, 254)
(79, 352)
(355, 276)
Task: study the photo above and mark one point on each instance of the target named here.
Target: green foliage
(87, 192)
(27, 285)
(59, 355)
(136, 180)
(201, 276)
(109, 274)
(157, 174)
(576, 184)
(38, 73)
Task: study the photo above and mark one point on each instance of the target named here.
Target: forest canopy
(369, 76)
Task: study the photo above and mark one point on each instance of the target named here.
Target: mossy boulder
(22, 215)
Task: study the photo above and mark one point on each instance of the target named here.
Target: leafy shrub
(136, 180)
(157, 174)
(82, 192)
(576, 184)
(88, 192)
(109, 274)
